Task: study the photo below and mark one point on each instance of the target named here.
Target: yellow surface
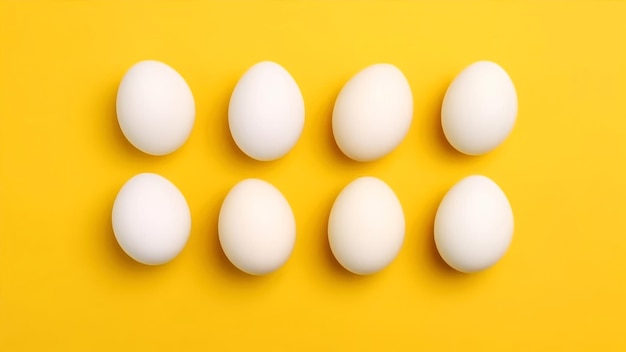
(65, 285)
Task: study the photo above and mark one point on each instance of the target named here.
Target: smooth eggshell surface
(257, 228)
(151, 219)
(155, 108)
(474, 224)
(366, 226)
(373, 112)
(266, 112)
(479, 108)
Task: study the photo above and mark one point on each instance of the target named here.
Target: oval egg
(373, 112)
(151, 219)
(256, 226)
(366, 226)
(479, 108)
(473, 225)
(155, 108)
(266, 112)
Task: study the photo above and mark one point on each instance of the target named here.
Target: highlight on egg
(474, 224)
(366, 226)
(256, 227)
(151, 219)
(373, 112)
(479, 108)
(155, 108)
(266, 112)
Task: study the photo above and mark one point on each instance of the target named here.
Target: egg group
(371, 116)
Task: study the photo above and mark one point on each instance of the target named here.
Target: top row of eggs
(371, 117)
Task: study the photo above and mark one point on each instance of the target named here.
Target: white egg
(151, 219)
(366, 226)
(266, 112)
(257, 228)
(155, 108)
(479, 108)
(473, 225)
(373, 112)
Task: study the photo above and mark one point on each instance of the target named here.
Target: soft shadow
(430, 248)
(214, 253)
(115, 253)
(330, 262)
(327, 141)
(119, 145)
(230, 152)
(433, 131)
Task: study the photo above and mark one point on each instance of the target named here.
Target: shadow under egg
(228, 150)
(328, 144)
(115, 139)
(116, 257)
(432, 130)
(329, 261)
(430, 252)
(216, 260)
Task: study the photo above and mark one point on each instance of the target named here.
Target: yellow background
(65, 285)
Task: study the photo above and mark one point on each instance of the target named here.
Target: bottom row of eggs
(366, 228)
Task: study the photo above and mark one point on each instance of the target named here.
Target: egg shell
(266, 112)
(474, 224)
(366, 226)
(151, 219)
(257, 228)
(373, 112)
(479, 108)
(155, 108)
